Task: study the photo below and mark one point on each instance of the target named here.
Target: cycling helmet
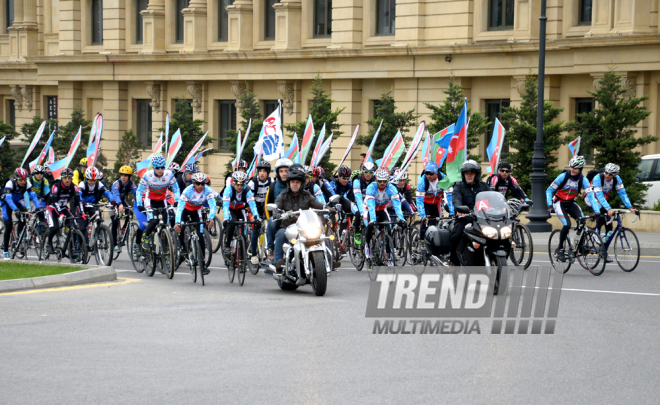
(158, 161)
(297, 166)
(83, 161)
(515, 205)
(126, 170)
(431, 168)
(283, 163)
(190, 168)
(296, 174)
(369, 167)
(67, 173)
(318, 171)
(504, 165)
(21, 173)
(200, 177)
(308, 170)
(46, 166)
(471, 166)
(610, 168)
(399, 175)
(38, 169)
(382, 174)
(263, 165)
(92, 173)
(242, 164)
(238, 178)
(174, 167)
(577, 162)
(344, 171)
(100, 175)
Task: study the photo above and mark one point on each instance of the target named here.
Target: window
(645, 167)
(269, 107)
(322, 18)
(223, 20)
(9, 14)
(584, 105)
(269, 19)
(179, 107)
(385, 16)
(11, 113)
(501, 15)
(584, 12)
(51, 102)
(97, 22)
(140, 5)
(180, 5)
(494, 110)
(227, 120)
(143, 122)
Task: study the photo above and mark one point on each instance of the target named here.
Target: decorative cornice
(18, 96)
(195, 89)
(153, 88)
(238, 88)
(286, 91)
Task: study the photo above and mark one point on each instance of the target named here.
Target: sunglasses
(505, 171)
(197, 183)
(381, 181)
(160, 168)
(344, 178)
(429, 173)
(367, 172)
(237, 184)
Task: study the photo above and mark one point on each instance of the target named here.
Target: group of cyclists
(369, 195)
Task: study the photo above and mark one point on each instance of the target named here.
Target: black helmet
(471, 166)
(242, 164)
(344, 171)
(296, 166)
(263, 165)
(296, 174)
(438, 241)
(504, 165)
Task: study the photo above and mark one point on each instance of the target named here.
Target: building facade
(132, 59)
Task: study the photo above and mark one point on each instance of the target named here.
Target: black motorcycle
(487, 239)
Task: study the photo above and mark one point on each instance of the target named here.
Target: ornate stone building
(132, 59)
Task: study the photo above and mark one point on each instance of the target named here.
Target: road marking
(611, 292)
(76, 287)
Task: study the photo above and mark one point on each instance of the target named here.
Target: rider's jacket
(405, 193)
(259, 188)
(568, 187)
(120, 190)
(60, 196)
(360, 188)
(466, 194)
(191, 200)
(429, 192)
(40, 188)
(154, 188)
(378, 200)
(288, 201)
(92, 194)
(346, 191)
(233, 200)
(315, 190)
(602, 188)
(14, 194)
(502, 186)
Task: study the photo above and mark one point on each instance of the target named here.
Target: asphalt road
(152, 341)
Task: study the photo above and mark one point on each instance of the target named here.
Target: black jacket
(287, 201)
(465, 194)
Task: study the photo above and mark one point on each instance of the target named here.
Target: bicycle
(69, 241)
(626, 244)
(355, 246)
(382, 248)
(239, 245)
(125, 232)
(162, 254)
(522, 250)
(194, 256)
(588, 250)
(214, 232)
(100, 242)
(261, 246)
(32, 237)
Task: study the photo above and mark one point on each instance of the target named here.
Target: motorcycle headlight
(489, 232)
(313, 232)
(505, 232)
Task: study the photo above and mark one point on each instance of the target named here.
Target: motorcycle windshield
(491, 205)
(309, 224)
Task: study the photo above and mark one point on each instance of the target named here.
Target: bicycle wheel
(192, 256)
(129, 238)
(523, 251)
(355, 252)
(399, 240)
(560, 262)
(208, 253)
(77, 247)
(626, 249)
(377, 254)
(138, 257)
(417, 250)
(590, 252)
(215, 234)
(103, 246)
(38, 235)
(14, 248)
(231, 263)
(241, 254)
(167, 255)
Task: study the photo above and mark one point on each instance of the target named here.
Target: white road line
(611, 292)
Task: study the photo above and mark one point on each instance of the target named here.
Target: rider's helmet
(92, 173)
(296, 173)
(344, 171)
(190, 168)
(67, 173)
(471, 166)
(46, 166)
(237, 178)
(38, 169)
(242, 164)
(308, 170)
(158, 161)
(83, 161)
(318, 172)
(263, 165)
(399, 175)
(612, 169)
(101, 175)
(127, 170)
(21, 173)
(577, 162)
(369, 167)
(382, 174)
(200, 177)
(174, 167)
(281, 163)
(504, 165)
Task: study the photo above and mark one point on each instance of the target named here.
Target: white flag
(272, 141)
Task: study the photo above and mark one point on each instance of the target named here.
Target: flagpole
(538, 215)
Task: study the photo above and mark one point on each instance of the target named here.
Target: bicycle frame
(617, 230)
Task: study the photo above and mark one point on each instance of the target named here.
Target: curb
(89, 274)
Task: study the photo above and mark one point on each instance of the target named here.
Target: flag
(367, 158)
(415, 142)
(404, 168)
(307, 138)
(252, 170)
(175, 145)
(167, 132)
(387, 155)
(91, 147)
(324, 149)
(457, 151)
(194, 149)
(199, 155)
(51, 156)
(43, 153)
(2, 140)
(234, 164)
(57, 167)
(74, 147)
(247, 133)
(35, 140)
(157, 150)
(91, 160)
(494, 148)
(574, 146)
(350, 145)
(317, 149)
(425, 150)
(142, 167)
(293, 151)
(441, 142)
(271, 140)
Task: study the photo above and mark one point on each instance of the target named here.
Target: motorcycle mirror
(271, 207)
(463, 209)
(334, 198)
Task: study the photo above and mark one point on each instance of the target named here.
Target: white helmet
(239, 177)
(282, 163)
(200, 177)
(382, 174)
(577, 162)
(612, 169)
(369, 166)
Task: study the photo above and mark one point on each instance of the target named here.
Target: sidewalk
(649, 242)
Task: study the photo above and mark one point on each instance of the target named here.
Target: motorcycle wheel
(501, 264)
(320, 276)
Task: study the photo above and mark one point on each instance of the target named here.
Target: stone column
(114, 26)
(289, 93)
(601, 17)
(347, 94)
(240, 33)
(347, 24)
(410, 18)
(115, 117)
(69, 97)
(153, 20)
(18, 13)
(198, 90)
(158, 93)
(634, 17)
(14, 43)
(69, 35)
(194, 22)
(287, 25)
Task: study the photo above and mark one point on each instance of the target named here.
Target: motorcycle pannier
(437, 241)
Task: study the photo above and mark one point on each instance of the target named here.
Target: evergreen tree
(129, 153)
(521, 134)
(191, 130)
(251, 110)
(30, 129)
(392, 122)
(321, 112)
(445, 114)
(610, 130)
(8, 159)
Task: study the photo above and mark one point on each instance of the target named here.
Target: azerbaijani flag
(238, 151)
(167, 132)
(57, 167)
(397, 142)
(317, 149)
(324, 149)
(44, 152)
(494, 148)
(96, 146)
(157, 149)
(194, 149)
(350, 145)
(293, 151)
(91, 147)
(175, 145)
(441, 142)
(142, 167)
(574, 146)
(35, 140)
(252, 170)
(415, 142)
(307, 138)
(51, 156)
(367, 158)
(457, 151)
(73, 148)
(425, 150)
(199, 155)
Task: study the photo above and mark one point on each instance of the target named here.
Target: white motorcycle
(308, 259)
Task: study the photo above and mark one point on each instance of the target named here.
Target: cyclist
(342, 187)
(174, 168)
(234, 201)
(310, 185)
(503, 182)
(603, 184)
(184, 178)
(14, 200)
(378, 196)
(566, 187)
(317, 177)
(360, 185)
(62, 193)
(121, 188)
(259, 186)
(48, 175)
(405, 191)
(430, 197)
(152, 192)
(40, 186)
(242, 167)
(79, 173)
(276, 187)
(194, 197)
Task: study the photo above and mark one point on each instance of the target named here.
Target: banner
(271, 141)
(43, 153)
(157, 150)
(194, 149)
(425, 150)
(167, 133)
(252, 170)
(457, 151)
(350, 144)
(317, 148)
(307, 138)
(57, 167)
(293, 151)
(175, 145)
(494, 148)
(397, 142)
(51, 156)
(74, 147)
(91, 147)
(417, 139)
(142, 167)
(35, 140)
(97, 142)
(234, 163)
(199, 155)
(324, 149)
(574, 146)
(441, 141)
(373, 143)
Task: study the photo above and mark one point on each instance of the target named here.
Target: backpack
(592, 173)
(567, 174)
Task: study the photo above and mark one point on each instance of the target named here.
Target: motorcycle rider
(430, 197)
(503, 182)
(276, 187)
(465, 193)
(14, 200)
(120, 189)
